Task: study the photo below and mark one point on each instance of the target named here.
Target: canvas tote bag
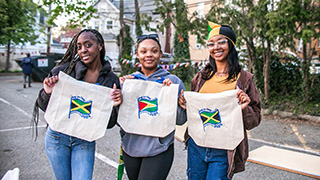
(79, 109)
(148, 108)
(215, 119)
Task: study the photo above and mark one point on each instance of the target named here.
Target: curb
(290, 114)
(11, 74)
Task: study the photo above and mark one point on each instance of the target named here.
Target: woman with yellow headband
(222, 73)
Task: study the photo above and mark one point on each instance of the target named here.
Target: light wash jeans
(206, 163)
(70, 157)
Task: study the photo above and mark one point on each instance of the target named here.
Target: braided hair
(233, 70)
(69, 56)
(72, 49)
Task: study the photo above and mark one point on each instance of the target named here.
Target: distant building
(108, 23)
(66, 37)
(21, 50)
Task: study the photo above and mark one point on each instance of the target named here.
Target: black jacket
(106, 78)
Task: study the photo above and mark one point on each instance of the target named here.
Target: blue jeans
(70, 157)
(206, 163)
(25, 76)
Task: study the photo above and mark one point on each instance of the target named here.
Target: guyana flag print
(148, 108)
(147, 105)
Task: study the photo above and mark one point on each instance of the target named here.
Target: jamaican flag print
(80, 106)
(147, 105)
(79, 109)
(210, 118)
(215, 119)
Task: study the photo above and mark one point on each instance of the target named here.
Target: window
(41, 19)
(96, 25)
(109, 24)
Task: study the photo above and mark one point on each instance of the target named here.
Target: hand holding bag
(79, 109)
(215, 119)
(148, 108)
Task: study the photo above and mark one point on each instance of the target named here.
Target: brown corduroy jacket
(251, 118)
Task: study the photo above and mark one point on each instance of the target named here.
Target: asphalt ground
(18, 148)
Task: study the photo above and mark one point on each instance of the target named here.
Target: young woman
(71, 157)
(222, 73)
(147, 157)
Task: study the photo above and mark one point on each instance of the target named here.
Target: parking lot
(18, 148)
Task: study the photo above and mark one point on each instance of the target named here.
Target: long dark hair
(72, 49)
(234, 66)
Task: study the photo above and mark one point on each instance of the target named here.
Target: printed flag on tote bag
(148, 108)
(79, 109)
(215, 119)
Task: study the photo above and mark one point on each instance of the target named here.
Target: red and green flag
(147, 105)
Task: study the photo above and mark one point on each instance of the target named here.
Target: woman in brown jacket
(222, 73)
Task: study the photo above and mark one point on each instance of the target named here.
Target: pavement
(17, 148)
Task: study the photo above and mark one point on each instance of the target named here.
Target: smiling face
(220, 50)
(149, 54)
(88, 48)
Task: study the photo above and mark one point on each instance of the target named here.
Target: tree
(298, 20)
(248, 19)
(122, 33)
(181, 36)
(180, 20)
(137, 18)
(78, 9)
(17, 23)
(126, 46)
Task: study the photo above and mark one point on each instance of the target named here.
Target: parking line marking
(301, 139)
(106, 160)
(21, 128)
(97, 155)
(22, 111)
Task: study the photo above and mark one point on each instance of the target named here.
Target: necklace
(221, 74)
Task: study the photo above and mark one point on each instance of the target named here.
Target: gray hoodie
(145, 146)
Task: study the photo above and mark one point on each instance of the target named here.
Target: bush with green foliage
(286, 86)
(126, 52)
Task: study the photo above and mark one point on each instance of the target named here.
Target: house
(66, 37)
(20, 50)
(108, 24)
(198, 52)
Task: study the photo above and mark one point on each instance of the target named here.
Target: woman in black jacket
(71, 157)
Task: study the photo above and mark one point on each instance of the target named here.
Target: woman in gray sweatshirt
(147, 157)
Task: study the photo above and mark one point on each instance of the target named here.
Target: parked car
(166, 58)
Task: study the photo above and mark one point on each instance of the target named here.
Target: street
(18, 148)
